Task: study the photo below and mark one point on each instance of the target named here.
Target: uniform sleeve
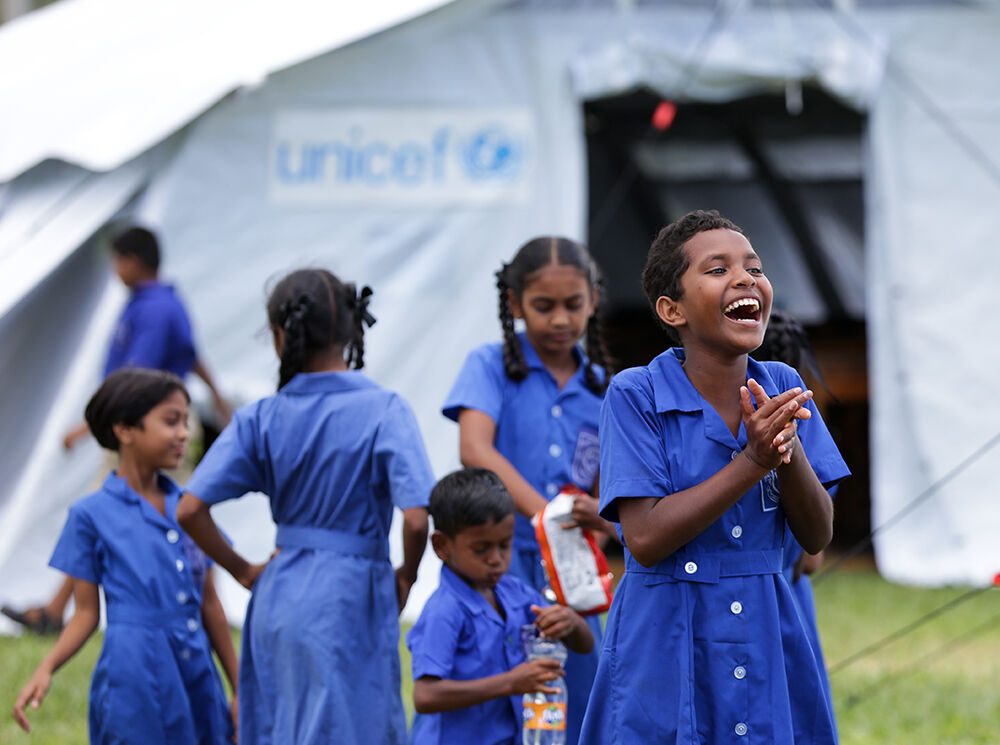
(77, 551)
(633, 460)
(233, 465)
(401, 458)
(479, 385)
(433, 640)
(817, 442)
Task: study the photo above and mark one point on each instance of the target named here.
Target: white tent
(415, 145)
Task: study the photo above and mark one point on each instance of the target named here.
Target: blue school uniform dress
(550, 437)
(708, 645)
(802, 591)
(155, 682)
(334, 452)
(153, 331)
(460, 636)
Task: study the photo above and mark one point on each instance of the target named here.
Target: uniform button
(740, 673)
(182, 597)
(554, 450)
(552, 489)
(173, 536)
(185, 654)
(740, 728)
(180, 565)
(690, 567)
(557, 410)
(736, 607)
(192, 625)
(737, 531)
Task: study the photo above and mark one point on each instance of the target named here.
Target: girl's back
(325, 449)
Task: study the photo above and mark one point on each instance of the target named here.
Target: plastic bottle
(544, 714)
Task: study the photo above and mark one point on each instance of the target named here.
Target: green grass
(952, 700)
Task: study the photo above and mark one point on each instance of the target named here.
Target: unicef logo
(492, 154)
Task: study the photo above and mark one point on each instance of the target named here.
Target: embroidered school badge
(770, 495)
(586, 457)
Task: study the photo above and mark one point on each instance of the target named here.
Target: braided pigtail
(597, 350)
(360, 317)
(513, 356)
(293, 350)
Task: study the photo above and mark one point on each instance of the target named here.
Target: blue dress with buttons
(550, 436)
(155, 682)
(460, 636)
(707, 646)
(334, 452)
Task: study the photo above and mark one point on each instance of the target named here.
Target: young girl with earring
(527, 408)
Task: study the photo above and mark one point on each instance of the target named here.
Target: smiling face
(556, 304)
(479, 554)
(726, 298)
(160, 438)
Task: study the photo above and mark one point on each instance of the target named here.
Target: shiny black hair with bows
(512, 278)
(316, 311)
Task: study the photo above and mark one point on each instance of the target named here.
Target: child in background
(786, 341)
(155, 681)
(334, 452)
(468, 665)
(528, 408)
(705, 455)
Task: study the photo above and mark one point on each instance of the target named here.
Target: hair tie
(358, 303)
(295, 312)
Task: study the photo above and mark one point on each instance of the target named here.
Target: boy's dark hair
(532, 256)
(140, 243)
(125, 397)
(467, 498)
(318, 311)
(667, 260)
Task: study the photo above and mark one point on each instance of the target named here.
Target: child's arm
(213, 617)
(414, 542)
(86, 616)
(560, 622)
(655, 527)
(432, 695)
(807, 504)
(194, 516)
(476, 436)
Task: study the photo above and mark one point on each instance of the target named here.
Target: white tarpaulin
(417, 159)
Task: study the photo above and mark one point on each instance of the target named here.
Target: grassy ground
(953, 699)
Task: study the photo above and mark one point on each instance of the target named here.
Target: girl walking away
(334, 452)
(155, 681)
(705, 456)
(528, 408)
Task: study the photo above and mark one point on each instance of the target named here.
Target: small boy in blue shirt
(469, 669)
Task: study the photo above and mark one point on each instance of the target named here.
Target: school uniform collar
(672, 391)
(534, 362)
(327, 382)
(471, 600)
(118, 487)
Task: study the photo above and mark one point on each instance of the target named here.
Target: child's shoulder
(782, 376)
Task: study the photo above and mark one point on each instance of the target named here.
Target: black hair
(140, 243)
(667, 260)
(125, 397)
(467, 498)
(785, 340)
(531, 257)
(317, 311)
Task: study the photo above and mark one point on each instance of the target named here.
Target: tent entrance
(785, 167)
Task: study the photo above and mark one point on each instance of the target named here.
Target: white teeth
(740, 303)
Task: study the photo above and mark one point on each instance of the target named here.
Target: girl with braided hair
(334, 452)
(527, 408)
